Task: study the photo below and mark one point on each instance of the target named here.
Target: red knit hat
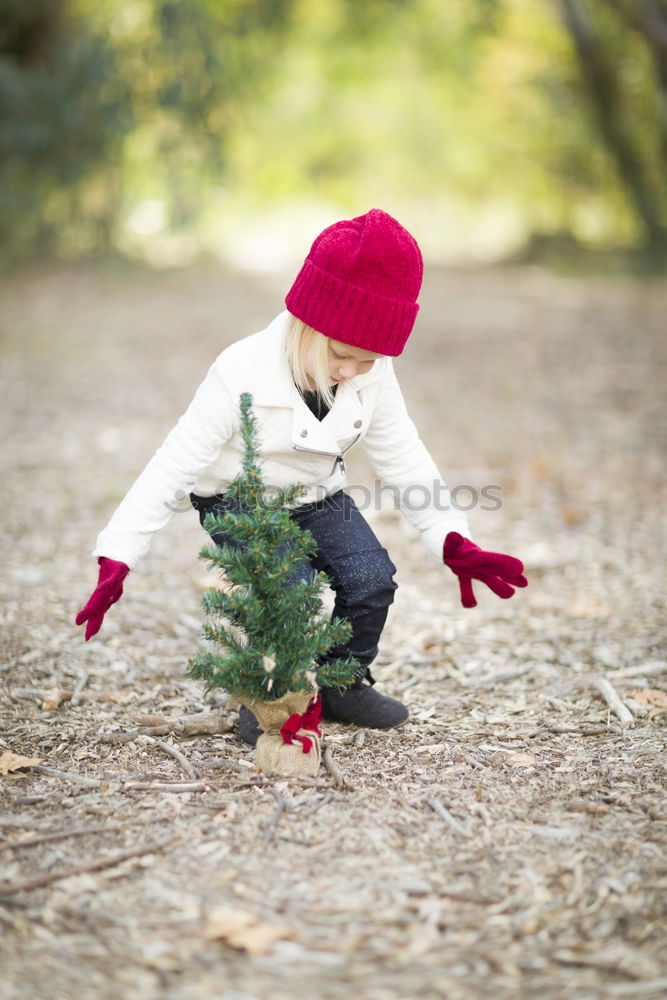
(359, 283)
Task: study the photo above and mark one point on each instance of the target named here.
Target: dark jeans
(359, 570)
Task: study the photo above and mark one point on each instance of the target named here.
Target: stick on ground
(614, 701)
(46, 837)
(176, 754)
(580, 730)
(275, 819)
(55, 772)
(91, 866)
(333, 768)
(168, 786)
(200, 724)
(78, 690)
(445, 815)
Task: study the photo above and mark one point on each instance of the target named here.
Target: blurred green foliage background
(164, 128)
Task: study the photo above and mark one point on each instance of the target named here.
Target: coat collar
(274, 386)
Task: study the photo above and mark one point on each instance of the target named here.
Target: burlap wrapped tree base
(290, 741)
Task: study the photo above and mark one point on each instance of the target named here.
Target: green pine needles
(268, 632)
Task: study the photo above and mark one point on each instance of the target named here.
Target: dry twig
(614, 701)
(475, 763)
(333, 769)
(78, 690)
(55, 772)
(91, 866)
(646, 670)
(201, 724)
(580, 730)
(487, 680)
(643, 989)
(445, 815)
(275, 819)
(53, 699)
(45, 838)
(176, 754)
(168, 786)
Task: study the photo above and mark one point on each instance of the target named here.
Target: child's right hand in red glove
(501, 573)
(109, 590)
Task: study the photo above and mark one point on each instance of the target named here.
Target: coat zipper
(339, 460)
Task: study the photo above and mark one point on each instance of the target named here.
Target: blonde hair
(301, 341)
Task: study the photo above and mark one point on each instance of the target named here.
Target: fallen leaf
(226, 920)
(14, 762)
(118, 697)
(572, 515)
(244, 931)
(54, 699)
(649, 696)
(587, 807)
(521, 759)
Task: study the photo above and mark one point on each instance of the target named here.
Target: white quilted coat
(203, 451)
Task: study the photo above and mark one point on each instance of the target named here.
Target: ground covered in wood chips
(510, 840)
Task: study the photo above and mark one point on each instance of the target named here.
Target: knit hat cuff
(350, 314)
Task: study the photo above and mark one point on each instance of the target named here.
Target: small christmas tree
(269, 630)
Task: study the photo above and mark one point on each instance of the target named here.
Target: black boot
(364, 706)
(249, 730)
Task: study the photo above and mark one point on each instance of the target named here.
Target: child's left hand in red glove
(499, 572)
(109, 590)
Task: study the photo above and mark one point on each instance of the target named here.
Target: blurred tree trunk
(600, 77)
(649, 18)
(29, 29)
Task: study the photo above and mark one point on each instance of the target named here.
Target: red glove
(109, 590)
(499, 572)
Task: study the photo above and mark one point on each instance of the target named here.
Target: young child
(321, 380)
